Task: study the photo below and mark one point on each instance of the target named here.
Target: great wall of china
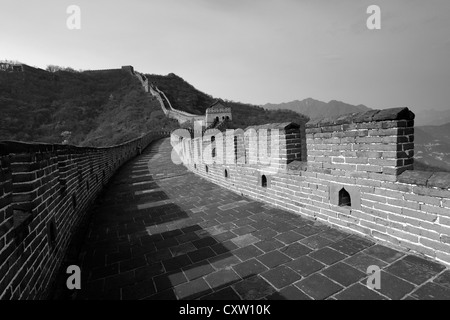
(45, 192)
(166, 106)
(354, 173)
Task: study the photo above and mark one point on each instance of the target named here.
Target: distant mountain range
(432, 142)
(432, 117)
(318, 109)
(432, 147)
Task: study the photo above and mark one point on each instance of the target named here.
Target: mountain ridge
(315, 109)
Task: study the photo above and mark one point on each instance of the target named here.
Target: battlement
(45, 192)
(354, 172)
(374, 142)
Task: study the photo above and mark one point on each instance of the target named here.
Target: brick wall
(45, 190)
(365, 159)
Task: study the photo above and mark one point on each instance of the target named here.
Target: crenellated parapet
(45, 192)
(354, 172)
(368, 144)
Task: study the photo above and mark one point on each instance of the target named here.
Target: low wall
(357, 176)
(45, 190)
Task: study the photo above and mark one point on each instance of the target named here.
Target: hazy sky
(254, 51)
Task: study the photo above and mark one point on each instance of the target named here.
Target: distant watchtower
(217, 112)
(129, 69)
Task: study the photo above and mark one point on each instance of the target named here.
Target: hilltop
(315, 109)
(185, 97)
(103, 107)
(97, 108)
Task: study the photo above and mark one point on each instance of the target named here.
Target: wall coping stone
(367, 116)
(426, 178)
(10, 146)
(276, 125)
(297, 166)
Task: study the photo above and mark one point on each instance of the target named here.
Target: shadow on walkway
(160, 232)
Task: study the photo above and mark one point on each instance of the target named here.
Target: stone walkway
(161, 232)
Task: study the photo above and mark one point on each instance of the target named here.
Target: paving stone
(103, 272)
(295, 250)
(274, 259)
(392, 287)
(289, 293)
(327, 255)
(383, 253)
(120, 280)
(243, 222)
(334, 234)
(182, 249)
(247, 252)
(148, 272)
(223, 247)
(265, 233)
(204, 242)
(316, 242)
(283, 227)
(358, 292)
(177, 262)
(415, 269)
(269, 245)
(188, 237)
(171, 234)
(228, 235)
(305, 265)
(260, 225)
(244, 230)
(142, 249)
(93, 287)
(225, 260)
(138, 291)
(318, 287)
(343, 274)
(253, 288)
(225, 227)
(167, 243)
(169, 280)
(201, 254)
(192, 289)
(362, 261)
(132, 264)
(307, 230)
(349, 246)
(281, 276)
(222, 278)
(245, 240)
(224, 294)
(190, 229)
(431, 291)
(443, 279)
(158, 256)
(118, 256)
(198, 270)
(289, 237)
(249, 268)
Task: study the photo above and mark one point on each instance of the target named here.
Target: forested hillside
(85, 108)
